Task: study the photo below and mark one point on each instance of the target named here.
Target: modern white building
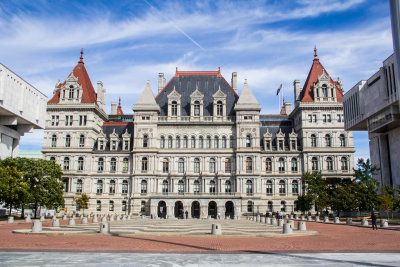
(197, 146)
(22, 109)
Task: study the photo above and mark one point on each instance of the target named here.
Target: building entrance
(212, 209)
(196, 209)
(229, 209)
(178, 209)
(162, 209)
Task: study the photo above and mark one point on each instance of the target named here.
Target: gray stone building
(196, 146)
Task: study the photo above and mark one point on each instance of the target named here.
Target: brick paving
(330, 238)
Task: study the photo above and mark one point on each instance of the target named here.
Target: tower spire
(81, 58)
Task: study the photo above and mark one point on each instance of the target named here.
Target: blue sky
(128, 42)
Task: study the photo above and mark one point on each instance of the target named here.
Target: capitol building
(197, 144)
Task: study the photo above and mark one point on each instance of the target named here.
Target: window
(345, 164)
(248, 141)
(98, 205)
(111, 205)
(208, 142)
(80, 164)
(68, 120)
(81, 140)
(283, 206)
(268, 165)
(181, 187)
(228, 165)
(143, 206)
(99, 187)
(212, 187)
(169, 141)
(100, 165)
(193, 142)
(101, 145)
(324, 90)
(216, 142)
(293, 144)
(181, 165)
(185, 142)
(114, 145)
(219, 108)
(196, 187)
(145, 118)
(144, 164)
(112, 187)
(295, 187)
(268, 145)
(223, 145)
(196, 168)
(282, 187)
(281, 166)
(113, 165)
(280, 144)
(53, 159)
(310, 118)
(125, 165)
(71, 92)
(228, 187)
(66, 164)
(250, 206)
(231, 142)
(314, 164)
(68, 141)
(328, 140)
(55, 120)
(165, 186)
(145, 140)
(342, 140)
(143, 187)
(123, 205)
(66, 184)
(82, 120)
(174, 108)
(165, 165)
(178, 142)
(269, 187)
(53, 140)
(313, 140)
(329, 164)
(249, 165)
(270, 206)
(124, 187)
(201, 142)
(314, 118)
(126, 145)
(212, 165)
(196, 108)
(294, 165)
(249, 187)
(327, 118)
(340, 118)
(162, 142)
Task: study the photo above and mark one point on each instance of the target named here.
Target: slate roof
(120, 128)
(273, 126)
(208, 83)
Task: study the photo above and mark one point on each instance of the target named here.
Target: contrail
(175, 26)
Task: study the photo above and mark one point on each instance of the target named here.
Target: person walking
(373, 220)
(187, 214)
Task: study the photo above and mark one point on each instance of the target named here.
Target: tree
(314, 190)
(305, 202)
(388, 199)
(82, 201)
(344, 196)
(367, 196)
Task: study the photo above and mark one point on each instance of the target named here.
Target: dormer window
(71, 92)
(219, 108)
(126, 145)
(196, 108)
(101, 145)
(174, 108)
(324, 90)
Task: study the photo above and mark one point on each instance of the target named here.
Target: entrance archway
(212, 209)
(229, 209)
(178, 209)
(196, 209)
(162, 209)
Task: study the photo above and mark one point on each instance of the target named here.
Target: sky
(128, 42)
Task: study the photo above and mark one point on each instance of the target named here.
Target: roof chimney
(234, 81)
(161, 81)
(288, 108)
(297, 90)
(113, 108)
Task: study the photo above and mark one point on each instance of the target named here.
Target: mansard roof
(89, 95)
(307, 94)
(207, 82)
(120, 129)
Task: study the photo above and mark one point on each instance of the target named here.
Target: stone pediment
(267, 134)
(324, 77)
(196, 94)
(113, 135)
(126, 134)
(280, 134)
(174, 95)
(219, 93)
(293, 134)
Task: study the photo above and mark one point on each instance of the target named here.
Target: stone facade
(197, 146)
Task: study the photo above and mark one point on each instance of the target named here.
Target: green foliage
(388, 198)
(13, 190)
(83, 201)
(304, 202)
(344, 197)
(367, 196)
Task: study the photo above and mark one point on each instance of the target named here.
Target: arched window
(66, 184)
(231, 144)
(79, 186)
(98, 205)
(249, 187)
(112, 187)
(181, 187)
(212, 187)
(324, 90)
(165, 165)
(162, 142)
(249, 165)
(329, 164)
(53, 159)
(295, 187)
(208, 142)
(174, 108)
(268, 165)
(185, 142)
(145, 140)
(228, 165)
(219, 108)
(81, 140)
(193, 142)
(196, 187)
(100, 165)
(67, 140)
(144, 164)
(223, 145)
(169, 141)
(66, 164)
(196, 165)
(124, 187)
(99, 187)
(181, 165)
(342, 140)
(270, 206)
(314, 163)
(313, 140)
(281, 166)
(165, 187)
(283, 206)
(196, 108)
(111, 205)
(216, 142)
(212, 165)
(269, 187)
(282, 187)
(345, 164)
(53, 140)
(250, 206)
(294, 165)
(125, 165)
(178, 142)
(228, 187)
(143, 187)
(201, 142)
(80, 164)
(113, 165)
(328, 140)
(248, 141)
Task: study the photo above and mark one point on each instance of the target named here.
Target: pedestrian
(187, 214)
(273, 214)
(151, 215)
(280, 215)
(267, 214)
(219, 215)
(373, 219)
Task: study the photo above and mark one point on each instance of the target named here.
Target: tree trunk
(11, 209)
(35, 209)
(23, 211)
